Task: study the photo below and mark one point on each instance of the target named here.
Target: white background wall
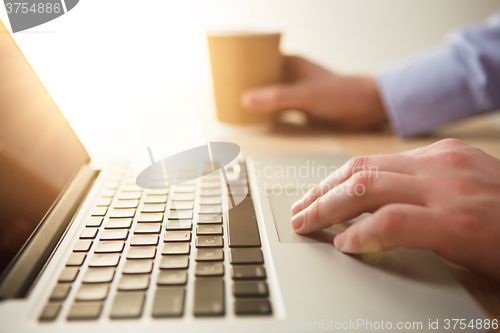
(103, 58)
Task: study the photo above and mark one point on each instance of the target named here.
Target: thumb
(271, 98)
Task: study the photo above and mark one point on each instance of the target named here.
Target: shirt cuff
(425, 91)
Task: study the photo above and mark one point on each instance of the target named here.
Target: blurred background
(108, 63)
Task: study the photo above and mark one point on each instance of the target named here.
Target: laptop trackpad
(280, 205)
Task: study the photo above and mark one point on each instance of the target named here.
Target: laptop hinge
(32, 259)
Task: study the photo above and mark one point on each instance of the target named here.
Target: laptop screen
(39, 153)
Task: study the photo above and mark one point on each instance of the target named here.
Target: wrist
(362, 106)
(371, 105)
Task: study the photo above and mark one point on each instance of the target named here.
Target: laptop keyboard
(136, 239)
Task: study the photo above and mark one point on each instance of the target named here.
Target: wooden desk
(296, 138)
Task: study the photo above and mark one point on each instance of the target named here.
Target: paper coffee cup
(239, 61)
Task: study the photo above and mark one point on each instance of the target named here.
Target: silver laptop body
(84, 249)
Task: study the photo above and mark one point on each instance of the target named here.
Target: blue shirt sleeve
(458, 79)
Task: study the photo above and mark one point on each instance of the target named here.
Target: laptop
(86, 249)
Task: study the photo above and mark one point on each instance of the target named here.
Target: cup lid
(241, 32)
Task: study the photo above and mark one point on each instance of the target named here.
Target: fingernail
(297, 207)
(298, 221)
(252, 98)
(246, 98)
(339, 241)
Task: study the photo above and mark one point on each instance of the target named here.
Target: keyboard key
(108, 193)
(174, 261)
(87, 311)
(209, 241)
(183, 196)
(169, 302)
(68, 274)
(179, 225)
(150, 217)
(213, 177)
(157, 191)
(133, 282)
(186, 180)
(242, 225)
(122, 212)
(189, 176)
(98, 275)
(180, 215)
(184, 189)
(127, 305)
(99, 211)
(129, 195)
(172, 277)
(176, 248)
(210, 200)
(92, 292)
(209, 254)
(246, 256)
(250, 289)
(109, 247)
(182, 205)
(209, 269)
(210, 193)
(82, 246)
(210, 209)
(60, 292)
(120, 234)
(126, 203)
(208, 229)
(76, 259)
(138, 266)
(104, 260)
(142, 240)
(158, 184)
(155, 198)
(148, 228)
(252, 306)
(177, 236)
(131, 187)
(210, 185)
(112, 185)
(125, 223)
(153, 208)
(103, 202)
(94, 222)
(116, 177)
(142, 252)
(217, 219)
(50, 312)
(88, 233)
(209, 296)
(248, 272)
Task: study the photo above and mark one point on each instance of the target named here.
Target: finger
(392, 226)
(273, 98)
(373, 164)
(361, 193)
